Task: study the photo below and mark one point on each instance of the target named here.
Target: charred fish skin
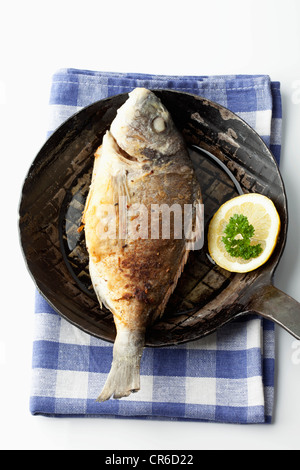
(144, 161)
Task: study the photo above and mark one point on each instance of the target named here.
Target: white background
(163, 37)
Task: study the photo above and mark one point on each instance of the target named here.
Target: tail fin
(124, 375)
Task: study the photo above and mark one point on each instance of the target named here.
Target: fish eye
(158, 124)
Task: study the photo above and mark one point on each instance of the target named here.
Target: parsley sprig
(238, 234)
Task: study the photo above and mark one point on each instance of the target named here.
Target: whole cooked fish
(141, 167)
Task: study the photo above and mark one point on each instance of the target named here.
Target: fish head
(144, 129)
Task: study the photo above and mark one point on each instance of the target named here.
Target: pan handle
(275, 305)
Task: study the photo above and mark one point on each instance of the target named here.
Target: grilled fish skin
(142, 162)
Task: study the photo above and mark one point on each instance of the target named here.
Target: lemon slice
(262, 214)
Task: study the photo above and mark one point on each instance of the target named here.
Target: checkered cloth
(225, 377)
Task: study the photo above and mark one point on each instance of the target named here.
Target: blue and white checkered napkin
(225, 377)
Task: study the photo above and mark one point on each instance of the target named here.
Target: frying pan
(229, 158)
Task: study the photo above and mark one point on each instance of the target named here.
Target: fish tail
(124, 375)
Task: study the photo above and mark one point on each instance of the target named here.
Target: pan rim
(41, 155)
